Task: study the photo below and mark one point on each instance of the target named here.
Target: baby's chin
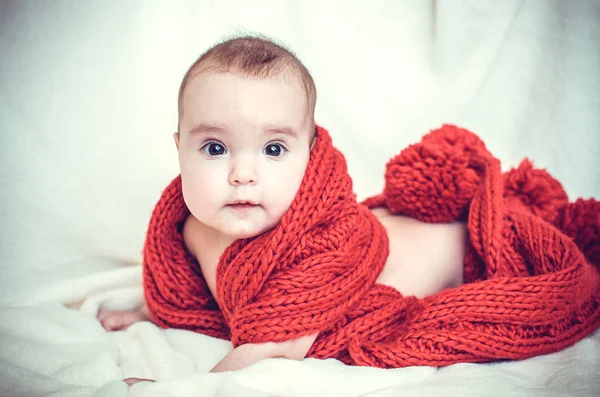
(246, 231)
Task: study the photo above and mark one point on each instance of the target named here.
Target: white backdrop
(88, 94)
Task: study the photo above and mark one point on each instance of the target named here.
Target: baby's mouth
(240, 205)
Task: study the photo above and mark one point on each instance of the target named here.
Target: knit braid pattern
(295, 280)
(532, 284)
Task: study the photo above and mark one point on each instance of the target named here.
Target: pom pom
(460, 138)
(433, 180)
(581, 221)
(535, 190)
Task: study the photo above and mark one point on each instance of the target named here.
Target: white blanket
(88, 95)
(50, 350)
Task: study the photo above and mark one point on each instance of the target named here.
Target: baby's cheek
(201, 191)
(283, 191)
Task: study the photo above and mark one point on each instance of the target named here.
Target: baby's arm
(241, 357)
(245, 355)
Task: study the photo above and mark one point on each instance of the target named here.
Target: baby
(245, 133)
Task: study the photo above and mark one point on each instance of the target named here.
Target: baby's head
(246, 125)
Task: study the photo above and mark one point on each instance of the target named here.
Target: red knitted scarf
(530, 283)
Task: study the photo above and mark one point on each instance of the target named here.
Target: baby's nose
(243, 172)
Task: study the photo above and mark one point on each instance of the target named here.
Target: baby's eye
(214, 149)
(275, 150)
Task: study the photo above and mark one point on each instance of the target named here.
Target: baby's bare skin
(425, 258)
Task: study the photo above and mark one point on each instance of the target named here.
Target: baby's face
(243, 149)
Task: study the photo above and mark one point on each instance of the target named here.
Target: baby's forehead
(217, 101)
(285, 76)
(212, 84)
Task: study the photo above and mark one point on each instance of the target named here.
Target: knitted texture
(532, 283)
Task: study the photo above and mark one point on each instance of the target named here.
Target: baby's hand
(118, 320)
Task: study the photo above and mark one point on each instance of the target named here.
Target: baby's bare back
(425, 258)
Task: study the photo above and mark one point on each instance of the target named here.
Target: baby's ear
(176, 137)
(313, 140)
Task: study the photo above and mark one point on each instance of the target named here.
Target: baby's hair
(254, 57)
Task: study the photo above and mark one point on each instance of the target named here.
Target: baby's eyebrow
(205, 128)
(210, 128)
(282, 130)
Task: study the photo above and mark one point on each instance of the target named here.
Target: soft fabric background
(88, 93)
(88, 102)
